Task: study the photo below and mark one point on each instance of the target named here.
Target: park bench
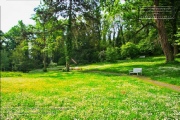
(136, 70)
(142, 56)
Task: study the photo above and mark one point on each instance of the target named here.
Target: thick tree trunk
(162, 34)
(164, 41)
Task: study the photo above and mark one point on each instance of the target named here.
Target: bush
(52, 64)
(102, 56)
(129, 50)
(4, 60)
(86, 55)
(62, 60)
(177, 55)
(112, 54)
(24, 66)
(147, 47)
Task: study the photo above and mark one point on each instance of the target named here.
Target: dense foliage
(112, 54)
(129, 50)
(80, 32)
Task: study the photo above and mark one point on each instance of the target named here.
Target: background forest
(87, 31)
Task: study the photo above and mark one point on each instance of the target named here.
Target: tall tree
(44, 21)
(75, 13)
(4, 54)
(16, 44)
(69, 37)
(168, 52)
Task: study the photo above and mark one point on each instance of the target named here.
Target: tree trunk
(176, 49)
(44, 62)
(44, 52)
(122, 35)
(69, 38)
(162, 34)
(114, 37)
(109, 38)
(118, 38)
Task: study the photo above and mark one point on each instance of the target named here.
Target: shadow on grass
(104, 73)
(155, 68)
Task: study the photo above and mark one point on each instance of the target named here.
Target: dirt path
(145, 79)
(158, 83)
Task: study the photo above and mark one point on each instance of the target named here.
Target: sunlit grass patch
(76, 95)
(92, 95)
(153, 67)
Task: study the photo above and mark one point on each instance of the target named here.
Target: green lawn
(89, 95)
(153, 67)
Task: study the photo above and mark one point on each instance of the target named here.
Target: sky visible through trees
(91, 31)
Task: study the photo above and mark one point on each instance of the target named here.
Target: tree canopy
(92, 31)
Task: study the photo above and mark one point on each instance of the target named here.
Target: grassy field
(153, 67)
(89, 95)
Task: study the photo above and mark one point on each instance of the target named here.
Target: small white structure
(136, 70)
(142, 56)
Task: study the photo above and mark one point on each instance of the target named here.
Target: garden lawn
(84, 95)
(152, 67)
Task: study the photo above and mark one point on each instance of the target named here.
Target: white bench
(142, 56)
(136, 70)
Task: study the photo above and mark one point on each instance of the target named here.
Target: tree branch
(148, 24)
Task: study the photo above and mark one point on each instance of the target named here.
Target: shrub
(4, 60)
(24, 65)
(52, 64)
(85, 55)
(129, 50)
(111, 54)
(102, 56)
(177, 55)
(62, 60)
(147, 47)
